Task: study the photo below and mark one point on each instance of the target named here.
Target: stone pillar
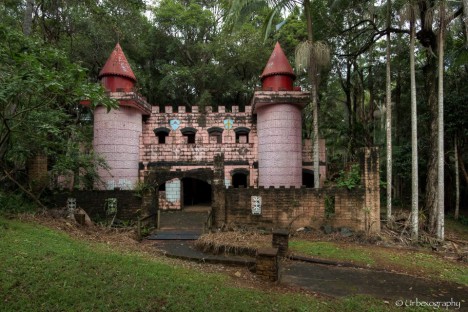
(37, 171)
(281, 241)
(370, 179)
(266, 265)
(219, 191)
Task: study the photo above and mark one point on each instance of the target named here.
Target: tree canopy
(189, 52)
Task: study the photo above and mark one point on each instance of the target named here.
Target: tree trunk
(457, 179)
(440, 129)
(427, 39)
(314, 95)
(28, 15)
(465, 19)
(389, 120)
(414, 138)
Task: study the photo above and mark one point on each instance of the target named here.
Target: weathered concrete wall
(171, 197)
(176, 153)
(357, 209)
(295, 207)
(370, 179)
(280, 145)
(116, 139)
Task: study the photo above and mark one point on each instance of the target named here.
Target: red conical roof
(117, 65)
(278, 64)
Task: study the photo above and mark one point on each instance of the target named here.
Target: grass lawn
(406, 261)
(402, 260)
(47, 270)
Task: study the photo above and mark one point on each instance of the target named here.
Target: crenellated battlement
(235, 109)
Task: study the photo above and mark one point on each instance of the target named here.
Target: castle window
(216, 135)
(242, 135)
(189, 133)
(240, 177)
(161, 134)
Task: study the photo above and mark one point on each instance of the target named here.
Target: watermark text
(452, 304)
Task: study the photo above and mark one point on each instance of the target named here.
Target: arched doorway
(196, 192)
(308, 178)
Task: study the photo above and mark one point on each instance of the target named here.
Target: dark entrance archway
(196, 192)
(189, 217)
(308, 178)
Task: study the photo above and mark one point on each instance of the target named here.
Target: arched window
(240, 178)
(189, 133)
(242, 135)
(216, 135)
(161, 134)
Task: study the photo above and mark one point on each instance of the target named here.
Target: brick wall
(203, 150)
(357, 209)
(128, 205)
(295, 207)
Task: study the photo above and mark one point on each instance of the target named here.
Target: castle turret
(279, 124)
(117, 132)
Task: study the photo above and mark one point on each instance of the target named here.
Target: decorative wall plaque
(256, 202)
(228, 123)
(111, 204)
(71, 205)
(174, 123)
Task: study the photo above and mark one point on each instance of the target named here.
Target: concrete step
(175, 235)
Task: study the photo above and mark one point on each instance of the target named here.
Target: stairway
(186, 224)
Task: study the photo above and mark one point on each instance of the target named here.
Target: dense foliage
(189, 52)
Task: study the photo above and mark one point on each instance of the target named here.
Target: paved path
(326, 279)
(339, 282)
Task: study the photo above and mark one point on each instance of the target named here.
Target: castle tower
(279, 124)
(117, 132)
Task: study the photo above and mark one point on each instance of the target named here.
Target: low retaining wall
(297, 207)
(93, 202)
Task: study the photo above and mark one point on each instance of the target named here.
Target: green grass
(457, 227)
(407, 261)
(45, 270)
(327, 250)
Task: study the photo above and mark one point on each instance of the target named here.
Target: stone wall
(93, 202)
(176, 153)
(295, 207)
(292, 208)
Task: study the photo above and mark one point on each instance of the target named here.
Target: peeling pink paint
(280, 145)
(117, 140)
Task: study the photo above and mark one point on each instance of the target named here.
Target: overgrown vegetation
(14, 203)
(349, 178)
(329, 206)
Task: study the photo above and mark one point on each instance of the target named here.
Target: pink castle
(262, 144)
